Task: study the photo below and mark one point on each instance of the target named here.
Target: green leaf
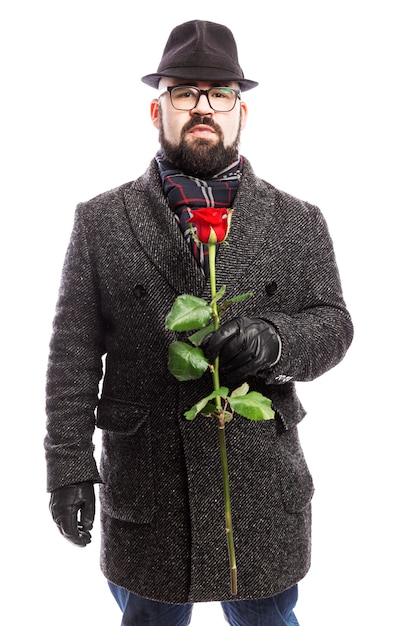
(197, 338)
(199, 406)
(188, 313)
(219, 294)
(243, 296)
(253, 406)
(240, 391)
(227, 303)
(209, 409)
(190, 414)
(186, 362)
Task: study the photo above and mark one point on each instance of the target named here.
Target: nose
(202, 107)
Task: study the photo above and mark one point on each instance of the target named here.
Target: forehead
(172, 82)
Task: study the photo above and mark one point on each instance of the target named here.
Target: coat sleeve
(74, 368)
(318, 330)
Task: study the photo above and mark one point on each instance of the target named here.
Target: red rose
(211, 225)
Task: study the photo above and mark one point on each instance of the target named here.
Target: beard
(200, 158)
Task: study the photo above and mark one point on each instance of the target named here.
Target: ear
(155, 112)
(243, 115)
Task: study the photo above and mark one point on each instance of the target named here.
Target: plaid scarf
(187, 192)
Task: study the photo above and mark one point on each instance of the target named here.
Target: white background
(332, 122)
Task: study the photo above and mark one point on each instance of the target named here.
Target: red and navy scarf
(188, 192)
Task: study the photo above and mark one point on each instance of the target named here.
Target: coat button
(139, 291)
(271, 288)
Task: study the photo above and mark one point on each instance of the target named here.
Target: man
(131, 254)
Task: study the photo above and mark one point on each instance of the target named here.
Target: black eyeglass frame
(201, 92)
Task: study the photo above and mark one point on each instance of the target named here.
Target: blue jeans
(275, 611)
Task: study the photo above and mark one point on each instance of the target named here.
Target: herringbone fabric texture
(161, 498)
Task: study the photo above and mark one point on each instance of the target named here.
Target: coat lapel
(159, 235)
(253, 207)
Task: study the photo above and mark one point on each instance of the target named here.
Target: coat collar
(158, 233)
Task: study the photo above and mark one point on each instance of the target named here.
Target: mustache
(196, 121)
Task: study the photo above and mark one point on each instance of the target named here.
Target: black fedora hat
(200, 50)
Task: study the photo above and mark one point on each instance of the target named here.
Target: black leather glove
(244, 345)
(73, 508)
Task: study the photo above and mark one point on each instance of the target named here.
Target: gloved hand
(244, 345)
(73, 508)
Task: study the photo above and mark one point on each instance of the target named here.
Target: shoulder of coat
(107, 196)
(282, 199)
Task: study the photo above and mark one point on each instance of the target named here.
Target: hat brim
(193, 74)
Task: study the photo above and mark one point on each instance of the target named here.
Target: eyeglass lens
(220, 98)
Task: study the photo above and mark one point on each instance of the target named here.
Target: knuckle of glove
(215, 342)
(263, 341)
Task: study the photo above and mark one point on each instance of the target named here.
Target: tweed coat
(162, 515)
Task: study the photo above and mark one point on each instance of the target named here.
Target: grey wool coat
(162, 515)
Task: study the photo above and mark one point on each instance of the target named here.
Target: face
(201, 142)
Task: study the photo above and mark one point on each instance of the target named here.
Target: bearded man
(131, 254)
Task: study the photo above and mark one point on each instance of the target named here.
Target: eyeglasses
(186, 98)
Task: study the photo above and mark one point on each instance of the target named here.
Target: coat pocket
(126, 467)
(295, 477)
